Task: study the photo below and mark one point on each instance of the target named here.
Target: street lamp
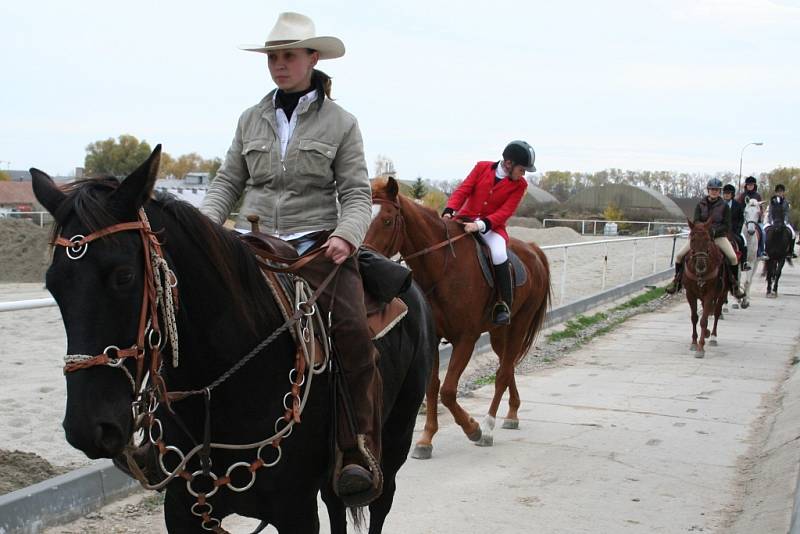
(741, 155)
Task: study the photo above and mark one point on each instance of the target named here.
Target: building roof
(16, 193)
(540, 196)
(626, 197)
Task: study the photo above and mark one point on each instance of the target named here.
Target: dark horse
(778, 247)
(705, 280)
(448, 271)
(224, 309)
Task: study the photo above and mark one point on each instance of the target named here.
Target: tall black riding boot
(675, 285)
(736, 291)
(502, 310)
(745, 265)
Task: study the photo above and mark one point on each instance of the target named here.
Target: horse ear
(392, 189)
(46, 191)
(691, 224)
(137, 187)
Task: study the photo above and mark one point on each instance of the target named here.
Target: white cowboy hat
(293, 30)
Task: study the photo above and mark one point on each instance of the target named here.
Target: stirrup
(501, 314)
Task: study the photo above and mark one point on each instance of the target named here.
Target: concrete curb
(74, 494)
(563, 313)
(63, 498)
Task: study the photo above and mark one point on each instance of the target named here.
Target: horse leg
(701, 350)
(511, 421)
(336, 510)
(423, 450)
(693, 307)
(462, 352)
(717, 316)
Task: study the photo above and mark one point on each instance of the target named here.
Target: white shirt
(285, 131)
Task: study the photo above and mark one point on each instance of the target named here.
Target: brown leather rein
(399, 229)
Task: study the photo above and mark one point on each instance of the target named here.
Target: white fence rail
(651, 227)
(40, 218)
(659, 252)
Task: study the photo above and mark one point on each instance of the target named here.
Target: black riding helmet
(729, 188)
(750, 180)
(779, 188)
(714, 183)
(520, 153)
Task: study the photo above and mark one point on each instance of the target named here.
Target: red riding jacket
(479, 197)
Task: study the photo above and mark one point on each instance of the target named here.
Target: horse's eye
(123, 276)
(387, 222)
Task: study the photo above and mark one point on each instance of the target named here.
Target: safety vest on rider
(480, 196)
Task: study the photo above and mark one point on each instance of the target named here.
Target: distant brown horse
(447, 269)
(705, 280)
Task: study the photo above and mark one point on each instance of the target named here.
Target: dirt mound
(20, 469)
(23, 251)
(546, 236)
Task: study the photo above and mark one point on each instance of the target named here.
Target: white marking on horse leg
(487, 426)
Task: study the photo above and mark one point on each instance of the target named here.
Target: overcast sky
(661, 85)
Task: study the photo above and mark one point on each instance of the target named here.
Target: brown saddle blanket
(384, 308)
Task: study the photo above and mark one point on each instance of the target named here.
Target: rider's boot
(502, 311)
(675, 285)
(745, 265)
(733, 275)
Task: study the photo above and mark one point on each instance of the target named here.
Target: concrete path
(632, 434)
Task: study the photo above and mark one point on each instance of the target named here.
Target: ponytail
(322, 83)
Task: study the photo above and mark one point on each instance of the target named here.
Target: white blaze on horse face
(376, 209)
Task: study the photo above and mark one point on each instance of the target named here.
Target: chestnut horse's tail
(541, 294)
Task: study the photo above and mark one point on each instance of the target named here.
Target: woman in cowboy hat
(293, 156)
(485, 200)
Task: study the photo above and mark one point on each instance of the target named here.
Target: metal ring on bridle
(194, 493)
(303, 307)
(112, 361)
(295, 376)
(270, 464)
(194, 511)
(76, 252)
(213, 521)
(150, 339)
(160, 431)
(288, 395)
(176, 450)
(291, 427)
(249, 484)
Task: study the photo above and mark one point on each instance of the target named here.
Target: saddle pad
(383, 319)
(520, 273)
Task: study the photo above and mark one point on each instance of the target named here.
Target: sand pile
(557, 235)
(21, 469)
(24, 254)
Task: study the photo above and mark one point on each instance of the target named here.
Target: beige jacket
(324, 162)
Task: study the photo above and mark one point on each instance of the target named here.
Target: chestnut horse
(447, 269)
(705, 280)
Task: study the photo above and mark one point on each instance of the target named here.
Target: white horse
(752, 214)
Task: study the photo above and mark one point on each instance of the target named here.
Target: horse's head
(700, 239)
(385, 233)
(94, 285)
(752, 213)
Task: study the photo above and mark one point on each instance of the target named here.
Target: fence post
(672, 256)
(563, 277)
(594, 230)
(605, 266)
(655, 253)
(633, 262)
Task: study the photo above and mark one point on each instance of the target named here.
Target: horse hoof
(712, 342)
(486, 440)
(692, 348)
(736, 306)
(745, 305)
(422, 452)
(722, 316)
(475, 436)
(726, 310)
(700, 354)
(511, 424)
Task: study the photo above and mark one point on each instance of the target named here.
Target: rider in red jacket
(485, 200)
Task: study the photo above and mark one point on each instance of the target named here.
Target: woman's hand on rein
(338, 250)
(471, 227)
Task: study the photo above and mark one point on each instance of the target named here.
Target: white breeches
(497, 245)
(722, 242)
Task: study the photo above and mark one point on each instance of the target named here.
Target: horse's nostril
(109, 439)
